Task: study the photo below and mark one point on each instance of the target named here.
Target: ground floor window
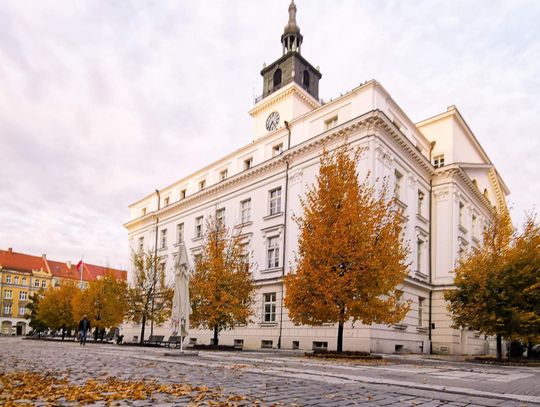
(267, 344)
(269, 303)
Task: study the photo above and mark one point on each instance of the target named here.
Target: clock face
(272, 121)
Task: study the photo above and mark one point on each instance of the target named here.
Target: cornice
(492, 174)
(371, 120)
(282, 95)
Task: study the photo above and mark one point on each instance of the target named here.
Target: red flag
(80, 266)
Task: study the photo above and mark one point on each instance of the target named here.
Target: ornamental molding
(296, 177)
(280, 96)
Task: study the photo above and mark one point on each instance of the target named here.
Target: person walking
(84, 327)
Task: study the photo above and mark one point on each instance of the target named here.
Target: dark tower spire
(291, 66)
(291, 38)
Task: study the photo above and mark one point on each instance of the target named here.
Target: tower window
(277, 78)
(305, 79)
(438, 161)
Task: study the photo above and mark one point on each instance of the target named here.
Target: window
(141, 244)
(330, 123)
(164, 239)
(275, 201)
(277, 149)
(397, 184)
(438, 161)
(421, 304)
(420, 202)
(269, 304)
(305, 79)
(461, 253)
(248, 163)
(223, 175)
(180, 233)
(7, 309)
(23, 281)
(202, 184)
(16, 280)
(295, 345)
(246, 255)
(220, 216)
(166, 201)
(419, 254)
(198, 227)
(183, 194)
(474, 225)
(22, 310)
(43, 283)
(461, 209)
(273, 252)
(8, 279)
(143, 211)
(245, 211)
(8, 294)
(23, 296)
(267, 344)
(36, 283)
(276, 80)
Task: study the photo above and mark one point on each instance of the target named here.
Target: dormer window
(183, 194)
(223, 175)
(166, 201)
(248, 163)
(330, 123)
(143, 211)
(438, 161)
(277, 149)
(202, 184)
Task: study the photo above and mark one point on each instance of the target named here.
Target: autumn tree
(498, 284)
(35, 323)
(350, 257)
(149, 299)
(55, 309)
(221, 287)
(104, 302)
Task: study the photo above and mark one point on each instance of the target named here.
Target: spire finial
(291, 38)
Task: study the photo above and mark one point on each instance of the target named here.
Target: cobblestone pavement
(281, 378)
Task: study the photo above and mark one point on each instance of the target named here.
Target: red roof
(26, 263)
(21, 262)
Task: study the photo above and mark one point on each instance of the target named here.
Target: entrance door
(19, 330)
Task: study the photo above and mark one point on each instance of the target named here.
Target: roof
(21, 262)
(26, 263)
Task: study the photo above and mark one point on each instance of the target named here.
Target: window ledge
(421, 329)
(475, 239)
(400, 327)
(400, 203)
(244, 224)
(462, 228)
(271, 270)
(196, 239)
(162, 249)
(420, 275)
(268, 324)
(178, 243)
(420, 217)
(275, 215)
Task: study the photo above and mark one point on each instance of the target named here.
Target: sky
(102, 102)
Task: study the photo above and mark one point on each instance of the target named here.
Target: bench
(154, 340)
(173, 340)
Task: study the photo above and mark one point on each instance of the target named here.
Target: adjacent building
(442, 179)
(21, 275)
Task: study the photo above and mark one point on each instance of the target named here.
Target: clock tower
(290, 84)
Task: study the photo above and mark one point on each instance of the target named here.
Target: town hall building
(442, 179)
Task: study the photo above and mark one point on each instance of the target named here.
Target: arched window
(305, 79)
(277, 78)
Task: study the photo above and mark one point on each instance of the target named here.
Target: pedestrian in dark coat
(84, 327)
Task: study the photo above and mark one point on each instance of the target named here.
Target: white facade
(260, 185)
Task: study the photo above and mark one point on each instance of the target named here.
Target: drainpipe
(155, 265)
(430, 255)
(284, 235)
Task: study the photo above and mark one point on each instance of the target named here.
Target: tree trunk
(340, 331)
(499, 347)
(529, 349)
(63, 331)
(143, 324)
(216, 339)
